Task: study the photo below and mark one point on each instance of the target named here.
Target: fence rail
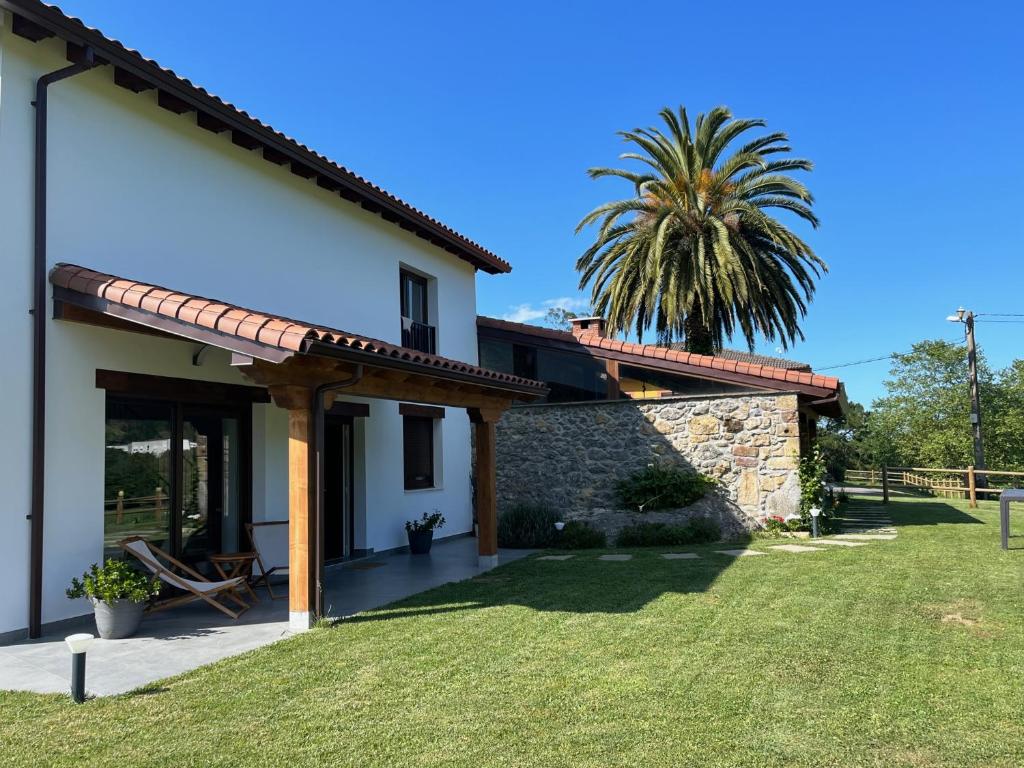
(939, 481)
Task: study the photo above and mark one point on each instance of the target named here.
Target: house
(614, 407)
(208, 323)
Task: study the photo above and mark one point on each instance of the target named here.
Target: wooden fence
(938, 481)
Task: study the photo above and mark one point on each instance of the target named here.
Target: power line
(999, 314)
(876, 359)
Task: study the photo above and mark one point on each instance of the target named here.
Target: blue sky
(487, 116)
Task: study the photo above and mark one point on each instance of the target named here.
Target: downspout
(319, 413)
(38, 312)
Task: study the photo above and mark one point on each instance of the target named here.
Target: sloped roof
(36, 20)
(270, 332)
(664, 357)
(755, 359)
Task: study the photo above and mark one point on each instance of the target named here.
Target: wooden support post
(120, 507)
(885, 484)
(158, 504)
(612, 372)
(972, 487)
(301, 528)
(485, 440)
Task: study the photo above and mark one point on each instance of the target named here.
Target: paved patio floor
(179, 639)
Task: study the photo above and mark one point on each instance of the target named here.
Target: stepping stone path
(615, 558)
(555, 557)
(795, 548)
(739, 552)
(841, 543)
(681, 556)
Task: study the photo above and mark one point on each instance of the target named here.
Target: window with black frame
(417, 331)
(418, 451)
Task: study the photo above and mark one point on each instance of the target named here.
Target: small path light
(559, 525)
(78, 645)
(815, 511)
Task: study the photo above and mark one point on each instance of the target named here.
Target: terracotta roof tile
(733, 362)
(269, 330)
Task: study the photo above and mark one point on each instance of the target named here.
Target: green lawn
(900, 653)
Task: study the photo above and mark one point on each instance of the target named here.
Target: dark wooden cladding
(210, 123)
(360, 410)
(185, 390)
(172, 103)
(131, 81)
(424, 411)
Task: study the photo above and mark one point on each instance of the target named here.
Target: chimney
(581, 325)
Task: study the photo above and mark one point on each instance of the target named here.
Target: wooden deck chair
(262, 544)
(198, 587)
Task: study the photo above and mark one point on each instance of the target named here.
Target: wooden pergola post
(484, 439)
(301, 562)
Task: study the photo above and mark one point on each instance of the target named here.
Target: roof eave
(371, 199)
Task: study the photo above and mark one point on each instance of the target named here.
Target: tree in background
(559, 317)
(924, 418)
(696, 251)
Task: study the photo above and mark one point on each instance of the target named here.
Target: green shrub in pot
(118, 593)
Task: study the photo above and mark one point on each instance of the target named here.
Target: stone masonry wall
(570, 456)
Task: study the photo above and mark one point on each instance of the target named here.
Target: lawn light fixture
(815, 512)
(78, 644)
(559, 525)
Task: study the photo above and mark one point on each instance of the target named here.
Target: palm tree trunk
(699, 340)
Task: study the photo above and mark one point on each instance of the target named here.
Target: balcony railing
(419, 336)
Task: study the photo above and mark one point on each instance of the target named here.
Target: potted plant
(421, 532)
(119, 594)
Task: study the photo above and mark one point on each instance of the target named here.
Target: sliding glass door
(176, 473)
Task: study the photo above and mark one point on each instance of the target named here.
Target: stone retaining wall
(570, 456)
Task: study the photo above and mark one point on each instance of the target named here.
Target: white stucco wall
(140, 192)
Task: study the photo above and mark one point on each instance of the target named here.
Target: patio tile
(556, 557)
(796, 548)
(681, 556)
(739, 552)
(616, 558)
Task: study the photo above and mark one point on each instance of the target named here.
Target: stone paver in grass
(555, 557)
(739, 552)
(867, 536)
(616, 558)
(681, 556)
(841, 543)
(796, 548)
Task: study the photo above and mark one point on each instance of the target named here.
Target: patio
(178, 640)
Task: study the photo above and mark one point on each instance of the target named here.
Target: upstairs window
(417, 332)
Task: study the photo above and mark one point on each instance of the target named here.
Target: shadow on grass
(934, 512)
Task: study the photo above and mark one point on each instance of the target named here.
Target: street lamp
(966, 317)
(78, 645)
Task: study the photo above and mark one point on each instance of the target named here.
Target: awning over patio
(304, 365)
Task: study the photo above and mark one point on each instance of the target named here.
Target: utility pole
(967, 318)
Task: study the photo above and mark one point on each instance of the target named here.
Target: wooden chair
(198, 587)
(256, 539)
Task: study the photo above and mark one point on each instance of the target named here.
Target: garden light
(559, 525)
(815, 511)
(78, 644)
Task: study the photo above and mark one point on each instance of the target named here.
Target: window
(417, 332)
(419, 423)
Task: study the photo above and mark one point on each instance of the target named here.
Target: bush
(429, 522)
(660, 487)
(116, 580)
(698, 530)
(527, 526)
(580, 535)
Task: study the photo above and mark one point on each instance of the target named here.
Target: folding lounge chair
(198, 587)
(261, 543)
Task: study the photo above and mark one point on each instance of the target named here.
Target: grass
(900, 653)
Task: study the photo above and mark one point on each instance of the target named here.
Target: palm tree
(696, 250)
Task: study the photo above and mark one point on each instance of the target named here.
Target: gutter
(38, 312)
